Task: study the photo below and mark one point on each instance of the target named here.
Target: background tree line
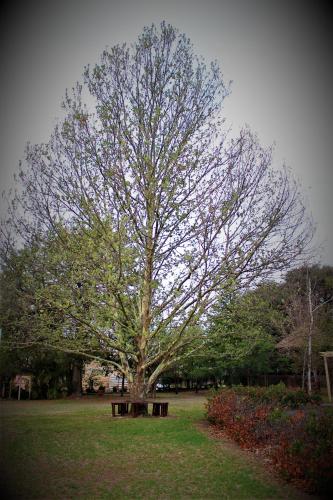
(259, 332)
(265, 331)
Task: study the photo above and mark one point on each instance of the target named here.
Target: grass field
(74, 449)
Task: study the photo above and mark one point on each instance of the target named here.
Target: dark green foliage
(243, 332)
(278, 395)
(265, 330)
(21, 278)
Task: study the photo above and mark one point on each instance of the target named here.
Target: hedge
(299, 442)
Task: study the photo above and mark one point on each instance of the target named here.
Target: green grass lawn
(75, 449)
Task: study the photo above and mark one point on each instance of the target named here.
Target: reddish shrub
(242, 418)
(305, 451)
(300, 445)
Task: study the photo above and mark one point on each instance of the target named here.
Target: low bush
(244, 420)
(299, 444)
(305, 451)
(278, 394)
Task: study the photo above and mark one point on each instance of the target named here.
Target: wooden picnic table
(160, 408)
(122, 407)
(139, 407)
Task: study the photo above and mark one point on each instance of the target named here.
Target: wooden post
(328, 382)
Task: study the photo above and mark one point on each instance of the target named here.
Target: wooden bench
(120, 407)
(139, 408)
(160, 408)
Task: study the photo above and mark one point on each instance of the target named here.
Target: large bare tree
(145, 209)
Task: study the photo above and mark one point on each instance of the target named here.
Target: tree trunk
(316, 380)
(138, 385)
(122, 385)
(310, 332)
(304, 366)
(76, 381)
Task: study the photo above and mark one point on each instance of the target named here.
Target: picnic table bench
(160, 408)
(120, 407)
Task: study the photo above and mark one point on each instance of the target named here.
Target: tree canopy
(143, 211)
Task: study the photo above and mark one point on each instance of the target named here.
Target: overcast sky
(278, 54)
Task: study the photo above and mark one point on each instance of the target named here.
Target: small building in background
(96, 375)
(21, 385)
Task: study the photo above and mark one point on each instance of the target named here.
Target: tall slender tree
(309, 302)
